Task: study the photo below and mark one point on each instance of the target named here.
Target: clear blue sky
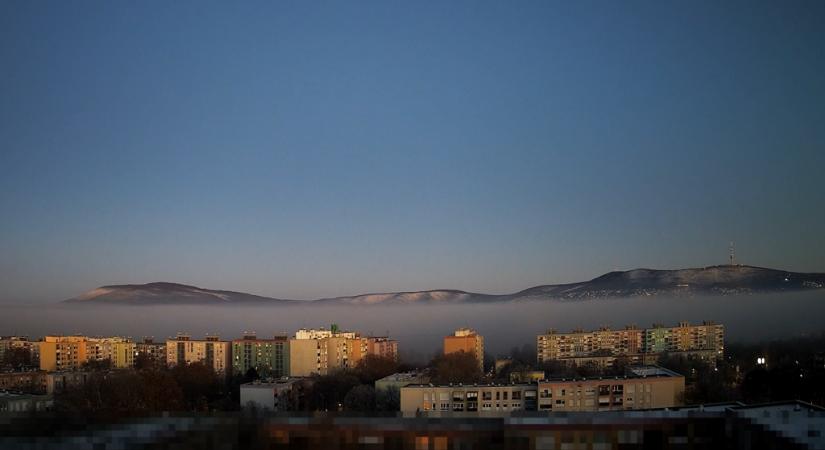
(310, 149)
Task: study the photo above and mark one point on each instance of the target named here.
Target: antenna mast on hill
(732, 254)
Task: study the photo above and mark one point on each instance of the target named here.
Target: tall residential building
(319, 351)
(381, 346)
(466, 340)
(155, 351)
(269, 357)
(59, 353)
(637, 345)
(211, 351)
(119, 351)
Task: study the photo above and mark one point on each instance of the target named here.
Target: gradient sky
(310, 149)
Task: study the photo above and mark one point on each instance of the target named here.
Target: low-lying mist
(419, 328)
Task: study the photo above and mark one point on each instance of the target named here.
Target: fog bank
(419, 328)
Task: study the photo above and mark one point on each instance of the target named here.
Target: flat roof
(457, 385)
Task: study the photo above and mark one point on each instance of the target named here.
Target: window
(504, 395)
(445, 406)
(545, 393)
(458, 396)
(516, 395)
(443, 396)
(458, 406)
(498, 395)
(604, 389)
(486, 395)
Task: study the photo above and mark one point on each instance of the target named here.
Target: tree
(251, 375)
(388, 399)
(17, 358)
(458, 367)
(373, 367)
(361, 398)
(199, 384)
(144, 360)
(328, 391)
(97, 365)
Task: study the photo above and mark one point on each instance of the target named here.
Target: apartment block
(155, 351)
(320, 355)
(320, 351)
(212, 351)
(269, 357)
(61, 353)
(119, 351)
(467, 400)
(381, 346)
(642, 388)
(641, 346)
(466, 340)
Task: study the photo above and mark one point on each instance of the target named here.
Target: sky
(313, 149)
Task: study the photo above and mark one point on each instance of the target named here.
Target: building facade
(271, 395)
(269, 357)
(321, 351)
(467, 400)
(381, 346)
(154, 351)
(640, 346)
(61, 353)
(641, 388)
(211, 351)
(466, 340)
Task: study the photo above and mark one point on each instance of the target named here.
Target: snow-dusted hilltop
(166, 293)
(714, 280)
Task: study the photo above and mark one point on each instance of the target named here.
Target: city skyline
(308, 151)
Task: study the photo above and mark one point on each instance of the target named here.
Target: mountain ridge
(710, 280)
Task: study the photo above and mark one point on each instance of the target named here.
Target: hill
(714, 280)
